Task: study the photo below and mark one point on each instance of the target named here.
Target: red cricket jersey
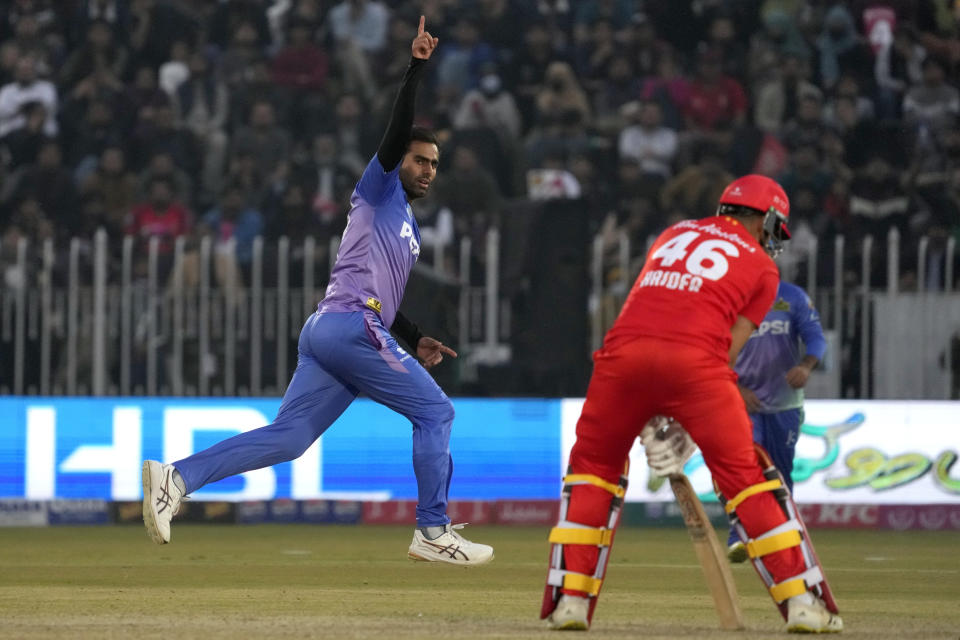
(698, 277)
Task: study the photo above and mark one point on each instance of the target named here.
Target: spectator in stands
(89, 137)
(228, 16)
(527, 74)
(234, 223)
(502, 25)
(114, 13)
(715, 101)
(160, 216)
(644, 46)
(669, 88)
(833, 155)
(877, 200)
(806, 171)
(617, 87)
(163, 166)
(51, 185)
(462, 58)
(27, 88)
(648, 141)
(157, 130)
(697, 188)
(932, 105)
(176, 70)
(594, 51)
(22, 145)
(781, 35)
(590, 12)
(807, 127)
(723, 38)
(849, 87)
(263, 138)
(254, 86)
(154, 25)
(362, 22)
(359, 29)
(779, 98)
(559, 14)
(202, 105)
(288, 212)
(594, 186)
(354, 134)
(562, 96)
(242, 169)
(490, 105)
(98, 56)
(37, 38)
(899, 66)
(9, 56)
(841, 49)
(240, 56)
(142, 93)
(392, 61)
(557, 139)
(301, 65)
(331, 178)
(114, 187)
(471, 193)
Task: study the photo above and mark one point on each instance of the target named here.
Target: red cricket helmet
(767, 198)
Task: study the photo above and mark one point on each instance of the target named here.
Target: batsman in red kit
(705, 286)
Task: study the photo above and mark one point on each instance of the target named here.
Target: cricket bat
(711, 555)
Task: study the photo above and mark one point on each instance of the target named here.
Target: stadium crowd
(244, 117)
(237, 118)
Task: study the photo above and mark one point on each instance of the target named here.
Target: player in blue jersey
(772, 369)
(346, 348)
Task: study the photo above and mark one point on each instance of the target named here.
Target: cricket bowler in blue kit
(345, 348)
(772, 369)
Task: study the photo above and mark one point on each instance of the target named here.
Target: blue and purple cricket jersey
(379, 247)
(777, 346)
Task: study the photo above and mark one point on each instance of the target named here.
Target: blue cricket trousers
(778, 434)
(341, 355)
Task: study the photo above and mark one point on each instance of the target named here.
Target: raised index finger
(447, 350)
(423, 19)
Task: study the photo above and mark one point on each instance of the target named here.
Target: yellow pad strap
(589, 478)
(788, 589)
(772, 544)
(769, 485)
(580, 582)
(598, 537)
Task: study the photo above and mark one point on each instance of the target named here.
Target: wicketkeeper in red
(705, 286)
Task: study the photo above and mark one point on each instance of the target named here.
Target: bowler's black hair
(422, 134)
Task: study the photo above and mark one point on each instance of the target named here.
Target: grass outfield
(355, 582)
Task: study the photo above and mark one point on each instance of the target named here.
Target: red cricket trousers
(646, 377)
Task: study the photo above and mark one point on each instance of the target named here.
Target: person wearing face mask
(489, 105)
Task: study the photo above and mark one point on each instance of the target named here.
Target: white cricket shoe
(811, 618)
(570, 614)
(161, 499)
(449, 547)
(737, 552)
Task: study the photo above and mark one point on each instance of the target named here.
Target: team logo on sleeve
(781, 305)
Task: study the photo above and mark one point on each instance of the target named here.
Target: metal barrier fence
(96, 319)
(99, 320)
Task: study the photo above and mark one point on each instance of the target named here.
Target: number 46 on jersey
(703, 258)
